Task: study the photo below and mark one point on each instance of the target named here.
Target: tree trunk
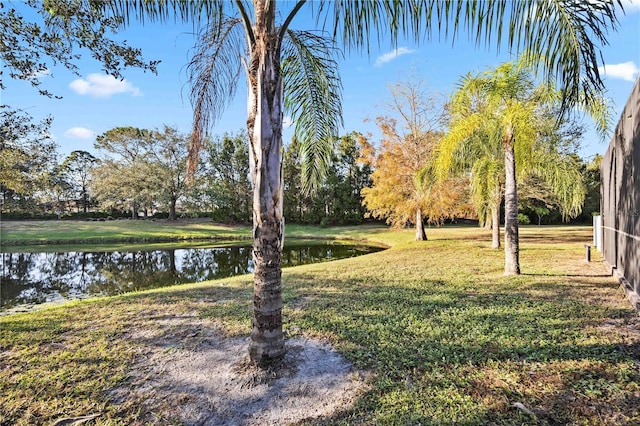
(488, 220)
(495, 226)
(421, 235)
(511, 241)
(172, 209)
(173, 270)
(84, 199)
(264, 124)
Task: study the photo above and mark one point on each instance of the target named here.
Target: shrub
(523, 219)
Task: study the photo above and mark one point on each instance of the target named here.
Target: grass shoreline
(35, 233)
(448, 339)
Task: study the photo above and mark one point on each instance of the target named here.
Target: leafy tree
(397, 195)
(57, 191)
(77, 168)
(141, 167)
(338, 199)
(29, 49)
(296, 71)
(27, 156)
(408, 145)
(124, 175)
(297, 202)
(116, 186)
(349, 176)
(167, 160)
(227, 186)
(591, 176)
(501, 110)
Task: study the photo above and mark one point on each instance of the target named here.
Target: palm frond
(165, 10)
(356, 22)
(486, 185)
(561, 173)
(459, 132)
(561, 37)
(214, 74)
(600, 110)
(313, 99)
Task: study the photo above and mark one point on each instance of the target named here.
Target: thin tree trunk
(172, 264)
(421, 235)
(495, 226)
(511, 241)
(265, 131)
(488, 220)
(172, 209)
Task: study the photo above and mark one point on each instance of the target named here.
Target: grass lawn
(448, 338)
(67, 232)
(71, 231)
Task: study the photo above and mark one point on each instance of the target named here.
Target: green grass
(67, 233)
(60, 232)
(448, 338)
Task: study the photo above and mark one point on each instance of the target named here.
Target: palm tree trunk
(511, 241)
(265, 132)
(488, 220)
(495, 226)
(421, 235)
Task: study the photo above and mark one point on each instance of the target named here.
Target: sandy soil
(193, 375)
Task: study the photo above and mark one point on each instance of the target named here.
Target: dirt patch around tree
(192, 374)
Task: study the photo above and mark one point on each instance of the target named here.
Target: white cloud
(102, 85)
(287, 122)
(390, 56)
(626, 71)
(79, 133)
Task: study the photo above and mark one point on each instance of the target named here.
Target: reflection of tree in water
(14, 278)
(41, 277)
(131, 271)
(219, 262)
(31, 278)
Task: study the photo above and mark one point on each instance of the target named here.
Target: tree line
(136, 172)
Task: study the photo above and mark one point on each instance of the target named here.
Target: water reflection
(33, 278)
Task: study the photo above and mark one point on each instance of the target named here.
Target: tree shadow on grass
(561, 275)
(425, 344)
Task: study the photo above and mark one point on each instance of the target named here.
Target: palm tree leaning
(565, 32)
(501, 110)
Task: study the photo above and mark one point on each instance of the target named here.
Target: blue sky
(93, 102)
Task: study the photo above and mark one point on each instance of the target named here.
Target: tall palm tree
(563, 32)
(500, 112)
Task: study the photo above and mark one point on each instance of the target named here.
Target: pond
(31, 278)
